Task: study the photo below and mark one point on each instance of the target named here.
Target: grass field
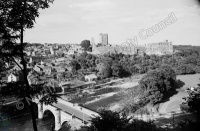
(189, 80)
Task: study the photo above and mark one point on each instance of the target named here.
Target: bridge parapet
(79, 108)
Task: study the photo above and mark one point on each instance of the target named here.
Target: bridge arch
(55, 111)
(49, 110)
(50, 117)
(63, 122)
(65, 118)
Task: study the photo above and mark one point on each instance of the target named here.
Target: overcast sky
(71, 21)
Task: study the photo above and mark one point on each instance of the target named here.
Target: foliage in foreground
(114, 121)
(15, 17)
(191, 105)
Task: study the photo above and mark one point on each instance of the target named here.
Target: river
(14, 120)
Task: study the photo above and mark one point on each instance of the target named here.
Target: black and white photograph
(99, 65)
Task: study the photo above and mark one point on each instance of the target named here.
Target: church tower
(93, 44)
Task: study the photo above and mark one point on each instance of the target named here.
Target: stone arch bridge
(65, 111)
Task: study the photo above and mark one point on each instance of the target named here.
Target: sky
(71, 21)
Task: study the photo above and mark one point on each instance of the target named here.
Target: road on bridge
(73, 111)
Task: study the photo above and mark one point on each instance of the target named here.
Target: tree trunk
(23, 62)
(33, 117)
(28, 86)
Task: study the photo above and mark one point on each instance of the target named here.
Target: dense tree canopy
(116, 69)
(153, 88)
(121, 65)
(85, 44)
(157, 83)
(185, 69)
(104, 70)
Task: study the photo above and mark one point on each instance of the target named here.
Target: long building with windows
(161, 48)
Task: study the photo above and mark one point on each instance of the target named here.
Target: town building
(92, 41)
(75, 85)
(91, 77)
(13, 78)
(161, 48)
(103, 39)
